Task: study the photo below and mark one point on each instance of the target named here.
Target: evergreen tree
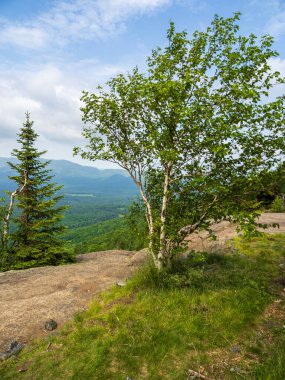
(36, 237)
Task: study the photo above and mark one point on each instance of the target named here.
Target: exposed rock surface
(226, 231)
(30, 297)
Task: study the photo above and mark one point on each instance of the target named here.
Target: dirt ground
(30, 297)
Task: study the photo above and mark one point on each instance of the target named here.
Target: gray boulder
(50, 325)
(13, 349)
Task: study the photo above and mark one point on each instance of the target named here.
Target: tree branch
(187, 230)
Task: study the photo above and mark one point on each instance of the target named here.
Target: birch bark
(162, 254)
(10, 211)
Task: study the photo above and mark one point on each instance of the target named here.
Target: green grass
(273, 366)
(161, 325)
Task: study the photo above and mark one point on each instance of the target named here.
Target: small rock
(13, 349)
(50, 325)
(23, 367)
(236, 369)
(120, 283)
(235, 349)
(22, 370)
(4, 355)
(12, 345)
(271, 324)
(239, 371)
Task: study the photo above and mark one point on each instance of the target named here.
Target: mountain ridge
(77, 178)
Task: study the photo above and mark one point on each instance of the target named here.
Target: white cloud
(276, 26)
(75, 20)
(52, 96)
(23, 36)
(277, 64)
(119, 9)
(276, 23)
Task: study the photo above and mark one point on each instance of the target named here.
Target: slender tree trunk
(162, 254)
(150, 223)
(9, 213)
(149, 217)
(160, 260)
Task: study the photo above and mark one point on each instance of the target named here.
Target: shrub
(277, 205)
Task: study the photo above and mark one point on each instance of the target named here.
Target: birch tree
(6, 214)
(196, 132)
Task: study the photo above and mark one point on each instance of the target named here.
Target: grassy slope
(223, 315)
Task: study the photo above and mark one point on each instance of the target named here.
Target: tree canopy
(197, 132)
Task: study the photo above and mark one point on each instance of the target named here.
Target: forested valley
(98, 216)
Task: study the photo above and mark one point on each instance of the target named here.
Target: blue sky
(51, 50)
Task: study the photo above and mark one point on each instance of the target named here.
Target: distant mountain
(78, 179)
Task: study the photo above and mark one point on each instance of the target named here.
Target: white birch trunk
(162, 254)
(10, 211)
(149, 216)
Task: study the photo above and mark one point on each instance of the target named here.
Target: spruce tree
(36, 236)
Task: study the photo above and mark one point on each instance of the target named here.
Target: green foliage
(29, 257)
(277, 205)
(85, 210)
(272, 186)
(278, 179)
(197, 132)
(4, 260)
(128, 232)
(159, 329)
(35, 239)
